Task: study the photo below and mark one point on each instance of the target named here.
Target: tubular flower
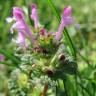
(20, 25)
(20, 39)
(18, 13)
(34, 15)
(65, 21)
(2, 57)
(20, 22)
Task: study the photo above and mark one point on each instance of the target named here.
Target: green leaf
(10, 56)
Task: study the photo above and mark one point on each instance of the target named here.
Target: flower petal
(67, 11)
(21, 39)
(65, 21)
(18, 13)
(34, 15)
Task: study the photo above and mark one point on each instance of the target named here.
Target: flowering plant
(45, 61)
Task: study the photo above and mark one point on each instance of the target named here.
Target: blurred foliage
(84, 12)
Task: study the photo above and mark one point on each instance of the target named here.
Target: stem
(45, 89)
(64, 83)
(76, 85)
(56, 90)
(53, 59)
(93, 85)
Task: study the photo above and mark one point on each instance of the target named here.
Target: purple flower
(34, 15)
(20, 24)
(18, 13)
(65, 21)
(67, 11)
(2, 57)
(20, 39)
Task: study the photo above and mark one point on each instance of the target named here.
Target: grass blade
(54, 9)
(8, 55)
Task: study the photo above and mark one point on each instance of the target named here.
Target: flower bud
(22, 80)
(34, 15)
(67, 11)
(49, 72)
(61, 57)
(43, 32)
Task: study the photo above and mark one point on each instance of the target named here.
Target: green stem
(56, 90)
(64, 83)
(76, 85)
(70, 43)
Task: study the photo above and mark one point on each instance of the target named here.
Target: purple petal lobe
(20, 24)
(65, 21)
(67, 11)
(34, 15)
(21, 39)
(18, 13)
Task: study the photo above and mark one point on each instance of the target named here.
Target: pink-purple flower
(20, 40)
(24, 30)
(65, 21)
(21, 26)
(34, 15)
(18, 13)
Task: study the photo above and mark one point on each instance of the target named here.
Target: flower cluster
(24, 30)
(42, 53)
